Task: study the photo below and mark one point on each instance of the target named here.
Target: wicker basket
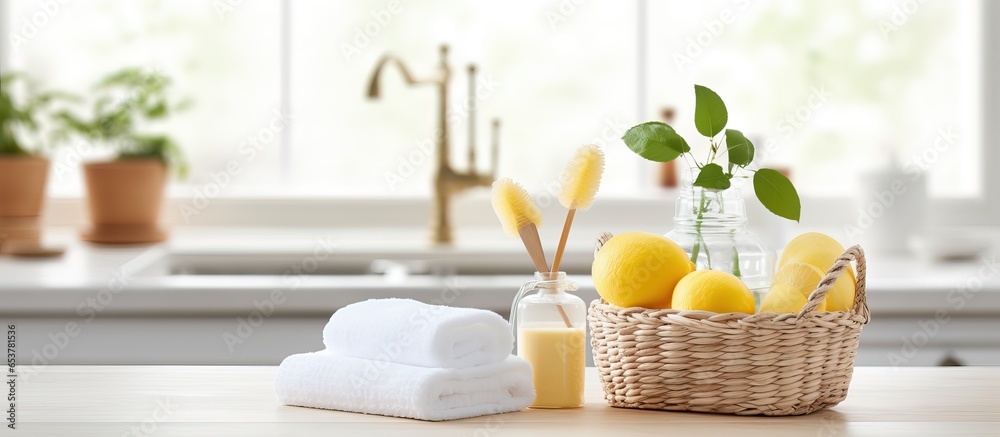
(769, 364)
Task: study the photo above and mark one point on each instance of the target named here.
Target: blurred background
(291, 163)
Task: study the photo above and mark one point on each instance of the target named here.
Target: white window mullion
(5, 24)
(285, 27)
(991, 107)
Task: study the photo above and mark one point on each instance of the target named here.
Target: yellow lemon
(712, 290)
(782, 298)
(804, 278)
(800, 278)
(821, 251)
(639, 269)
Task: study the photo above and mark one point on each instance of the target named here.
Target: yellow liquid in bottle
(556, 354)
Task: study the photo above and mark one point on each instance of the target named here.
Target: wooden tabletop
(190, 401)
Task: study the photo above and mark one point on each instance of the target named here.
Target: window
(226, 61)
(537, 73)
(834, 89)
(829, 89)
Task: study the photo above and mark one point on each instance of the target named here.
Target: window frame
(828, 211)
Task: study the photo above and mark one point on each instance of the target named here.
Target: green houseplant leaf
(22, 116)
(713, 177)
(115, 122)
(655, 141)
(777, 193)
(738, 148)
(10, 115)
(710, 115)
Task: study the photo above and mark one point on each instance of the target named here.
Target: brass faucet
(447, 181)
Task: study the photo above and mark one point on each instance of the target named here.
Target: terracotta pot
(22, 194)
(124, 198)
(22, 185)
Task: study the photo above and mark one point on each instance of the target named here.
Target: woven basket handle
(602, 238)
(853, 253)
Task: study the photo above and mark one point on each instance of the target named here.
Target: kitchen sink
(357, 262)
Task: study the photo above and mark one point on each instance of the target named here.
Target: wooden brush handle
(529, 236)
(562, 239)
(562, 313)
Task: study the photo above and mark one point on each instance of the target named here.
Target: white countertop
(60, 285)
(223, 400)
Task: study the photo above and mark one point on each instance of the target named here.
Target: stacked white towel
(399, 357)
(326, 380)
(409, 332)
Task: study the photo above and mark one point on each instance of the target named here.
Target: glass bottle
(711, 226)
(550, 330)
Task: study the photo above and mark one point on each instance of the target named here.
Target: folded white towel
(409, 332)
(326, 380)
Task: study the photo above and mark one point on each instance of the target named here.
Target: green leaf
(655, 141)
(777, 193)
(710, 115)
(23, 116)
(739, 149)
(712, 176)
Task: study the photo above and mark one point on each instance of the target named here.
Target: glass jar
(550, 331)
(711, 226)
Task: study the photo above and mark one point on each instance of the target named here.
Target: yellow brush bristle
(582, 178)
(514, 207)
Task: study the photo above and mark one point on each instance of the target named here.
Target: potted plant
(23, 170)
(125, 194)
(710, 217)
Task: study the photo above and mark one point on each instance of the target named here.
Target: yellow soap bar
(556, 354)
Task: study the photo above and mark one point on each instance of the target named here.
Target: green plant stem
(732, 235)
(695, 251)
(708, 256)
(701, 238)
(736, 256)
(689, 157)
